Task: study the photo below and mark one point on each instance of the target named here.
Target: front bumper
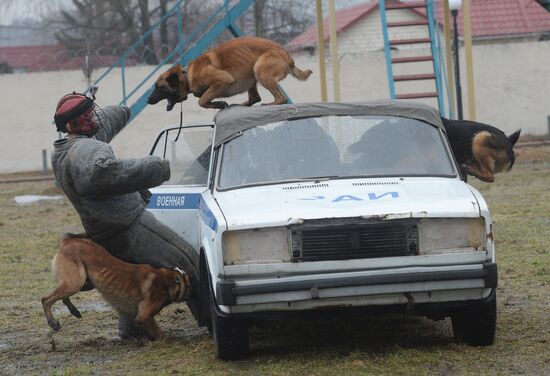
(440, 280)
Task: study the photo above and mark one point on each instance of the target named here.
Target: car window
(189, 156)
(334, 147)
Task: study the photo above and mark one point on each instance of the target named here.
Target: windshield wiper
(314, 179)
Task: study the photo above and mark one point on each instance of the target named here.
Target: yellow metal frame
(321, 52)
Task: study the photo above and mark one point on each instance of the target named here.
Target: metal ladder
(185, 50)
(432, 39)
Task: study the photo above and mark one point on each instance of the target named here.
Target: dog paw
(221, 104)
(54, 324)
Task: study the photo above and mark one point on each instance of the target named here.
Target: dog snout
(156, 96)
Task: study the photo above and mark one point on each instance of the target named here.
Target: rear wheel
(476, 325)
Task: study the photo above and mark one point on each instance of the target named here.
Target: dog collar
(179, 270)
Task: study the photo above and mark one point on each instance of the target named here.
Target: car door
(176, 202)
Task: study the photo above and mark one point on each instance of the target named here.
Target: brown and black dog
(481, 150)
(231, 68)
(139, 291)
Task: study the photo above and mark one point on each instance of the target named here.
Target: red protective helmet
(77, 113)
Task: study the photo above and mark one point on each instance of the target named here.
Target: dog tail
(296, 72)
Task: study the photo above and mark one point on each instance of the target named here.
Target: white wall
(366, 34)
(512, 86)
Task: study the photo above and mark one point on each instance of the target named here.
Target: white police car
(302, 207)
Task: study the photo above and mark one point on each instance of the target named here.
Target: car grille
(341, 241)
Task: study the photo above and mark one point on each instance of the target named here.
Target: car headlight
(256, 246)
(441, 235)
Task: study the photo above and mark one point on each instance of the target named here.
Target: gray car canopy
(235, 119)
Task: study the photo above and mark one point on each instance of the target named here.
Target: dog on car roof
(139, 291)
(481, 150)
(231, 68)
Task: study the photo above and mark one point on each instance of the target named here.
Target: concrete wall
(512, 82)
(366, 34)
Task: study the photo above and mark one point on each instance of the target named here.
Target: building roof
(47, 58)
(490, 18)
(31, 58)
(345, 18)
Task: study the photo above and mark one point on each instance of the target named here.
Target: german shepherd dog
(481, 150)
(231, 68)
(138, 291)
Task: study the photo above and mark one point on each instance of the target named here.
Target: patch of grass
(380, 345)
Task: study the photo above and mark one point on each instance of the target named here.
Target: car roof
(235, 119)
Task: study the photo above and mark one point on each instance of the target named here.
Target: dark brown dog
(139, 291)
(481, 150)
(231, 68)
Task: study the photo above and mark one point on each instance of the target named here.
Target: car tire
(230, 334)
(476, 325)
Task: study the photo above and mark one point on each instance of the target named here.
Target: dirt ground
(381, 345)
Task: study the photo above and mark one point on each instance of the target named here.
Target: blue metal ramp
(185, 50)
(431, 39)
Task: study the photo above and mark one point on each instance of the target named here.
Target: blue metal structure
(387, 50)
(435, 53)
(185, 51)
(432, 39)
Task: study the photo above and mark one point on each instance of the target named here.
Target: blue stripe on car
(186, 201)
(207, 216)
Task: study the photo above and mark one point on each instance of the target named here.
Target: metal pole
(449, 57)
(321, 51)
(123, 82)
(457, 67)
(387, 50)
(466, 19)
(179, 16)
(334, 51)
(44, 162)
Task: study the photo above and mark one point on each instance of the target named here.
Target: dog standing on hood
(231, 68)
(139, 291)
(481, 150)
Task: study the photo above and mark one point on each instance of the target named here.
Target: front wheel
(476, 325)
(230, 334)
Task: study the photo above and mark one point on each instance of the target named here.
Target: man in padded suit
(110, 194)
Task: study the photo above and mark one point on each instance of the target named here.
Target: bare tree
(281, 20)
(108, 24)
(163, 6)
(149, 56)
(259, 6)
(117, 24)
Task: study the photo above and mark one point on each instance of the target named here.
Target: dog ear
(513, 138)
(173, 80)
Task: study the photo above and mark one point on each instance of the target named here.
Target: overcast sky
(11, 10)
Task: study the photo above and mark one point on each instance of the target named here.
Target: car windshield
(334, 147)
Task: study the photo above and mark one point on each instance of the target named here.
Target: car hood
(281, 205)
